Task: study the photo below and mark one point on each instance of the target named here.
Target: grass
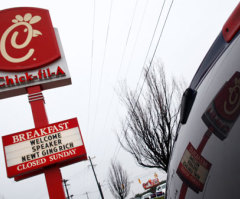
(162, 197)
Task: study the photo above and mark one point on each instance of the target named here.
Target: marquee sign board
(193, 169)
(30, 52)
(33, 149)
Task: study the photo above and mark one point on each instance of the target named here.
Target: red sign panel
(224, 110)
(193, 169)
(27, 39)
(30, 150)
(151, 183)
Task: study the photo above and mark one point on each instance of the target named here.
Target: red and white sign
(30, 52)
(193, 169)
(151, 183)
(30, 150)
(224, 110)
(27, 39)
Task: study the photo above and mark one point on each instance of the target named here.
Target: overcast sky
(105, 43)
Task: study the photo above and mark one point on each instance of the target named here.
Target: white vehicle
(161, 188)
(205, 160)
(146, 196)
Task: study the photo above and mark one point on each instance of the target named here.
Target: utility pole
(98, 184)
(65, 184)
(87, 195)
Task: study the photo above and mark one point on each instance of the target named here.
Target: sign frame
(193, 169)
(60, 157)
(48, 79)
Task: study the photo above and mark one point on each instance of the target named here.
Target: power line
(88, 192)
(158, 20)
(76, 174)
(126, 43)
(148, 51)
(149, 47)
(92, 51)
(150, 65)
(139, 30)
(141, 21)
(119, 68)
(102, 66)
(148, 69)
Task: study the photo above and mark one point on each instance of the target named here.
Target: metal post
(53, 174)
(99, 186)
(65, 184)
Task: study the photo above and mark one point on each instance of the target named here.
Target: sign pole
(53, 174)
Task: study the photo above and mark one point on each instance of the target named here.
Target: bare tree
(152, 119)
(118, 181)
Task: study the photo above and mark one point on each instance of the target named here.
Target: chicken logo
(27, 39)
(232, 104)
(224, 110)
(26, 21)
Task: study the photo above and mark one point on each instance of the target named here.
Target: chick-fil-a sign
(193, 168)
(224, 109)
(30, 52)
(27, 39)
(33, 149)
